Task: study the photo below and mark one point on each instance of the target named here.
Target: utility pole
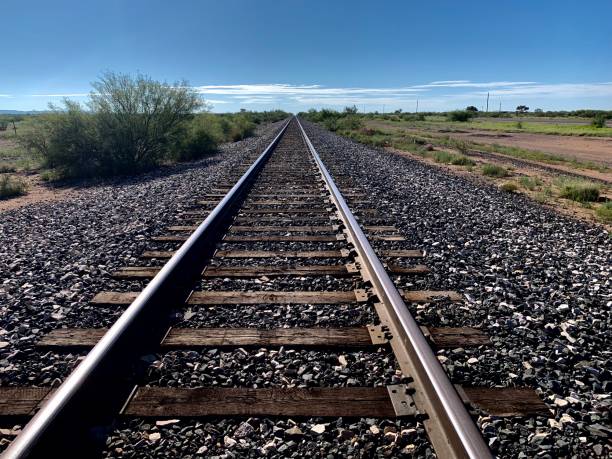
(417, 107)
(487, 102)
(499, 105)
(383, 109)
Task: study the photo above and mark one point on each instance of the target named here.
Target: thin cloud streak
(469, 84)
(60, 95)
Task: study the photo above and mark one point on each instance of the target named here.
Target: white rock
(554, 424)
(318, 428)
(166, 422)
(154, 436)
(375, 430)
(228, 441)
(472, 361)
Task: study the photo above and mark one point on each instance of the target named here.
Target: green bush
(348, 123)
(459, 160)
(460, 115)
(133, 123)
(493, 170)
(509, 187)
(579, 190)
(599, 121)
(605, 211)
(443, 157)
(530, 183)
(11, 186)
(200, 136)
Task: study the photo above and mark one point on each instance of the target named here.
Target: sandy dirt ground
(595, 149)
(38, 191)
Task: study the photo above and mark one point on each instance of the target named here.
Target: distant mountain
(22, 112)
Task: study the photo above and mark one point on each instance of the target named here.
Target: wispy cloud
(294, 90)
(60, 95)
(440, 94)
(470, 84)
(557, 90)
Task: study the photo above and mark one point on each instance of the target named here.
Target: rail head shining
(454, 433)
(28, 441)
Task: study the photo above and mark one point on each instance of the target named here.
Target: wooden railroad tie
(266, 297)
(148, 272)
(376, 402)
(353, 337)
(343, 253)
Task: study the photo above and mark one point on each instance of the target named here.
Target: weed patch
(578, 190)
(605, 211)
(493, 170)
(509, 187)
(11, 186)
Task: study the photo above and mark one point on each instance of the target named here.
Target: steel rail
(52, 432)
(450, 427)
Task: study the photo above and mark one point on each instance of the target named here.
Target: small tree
(350, 110)
(138, 118)
(522, 109)
(472, 109)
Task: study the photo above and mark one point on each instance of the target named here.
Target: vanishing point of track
(286, 196)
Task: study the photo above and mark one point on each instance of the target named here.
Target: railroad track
(281, 217)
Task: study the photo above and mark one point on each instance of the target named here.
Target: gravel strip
(257, 437)
(279, 367)
(536, 281)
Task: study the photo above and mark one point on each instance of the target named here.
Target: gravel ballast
(536, 281)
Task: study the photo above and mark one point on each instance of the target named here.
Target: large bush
(132, 124)
(460, 115)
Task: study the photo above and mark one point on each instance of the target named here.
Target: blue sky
(295, 54)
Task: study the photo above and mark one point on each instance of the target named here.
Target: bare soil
(38, 191)
(594, 149)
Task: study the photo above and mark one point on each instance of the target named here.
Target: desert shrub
(460, 115)
(461, 145)
(138, 119)
(599, 121)
(133, 123)
(348, 123)
(509, 187)
(519, 125)
(460, 160)
(530, 183)
(200, 136)
(7, 168)
(11, 186)
(493, 170)
(241, 127)
(579, 190)
(443, 157)
(605, 211)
